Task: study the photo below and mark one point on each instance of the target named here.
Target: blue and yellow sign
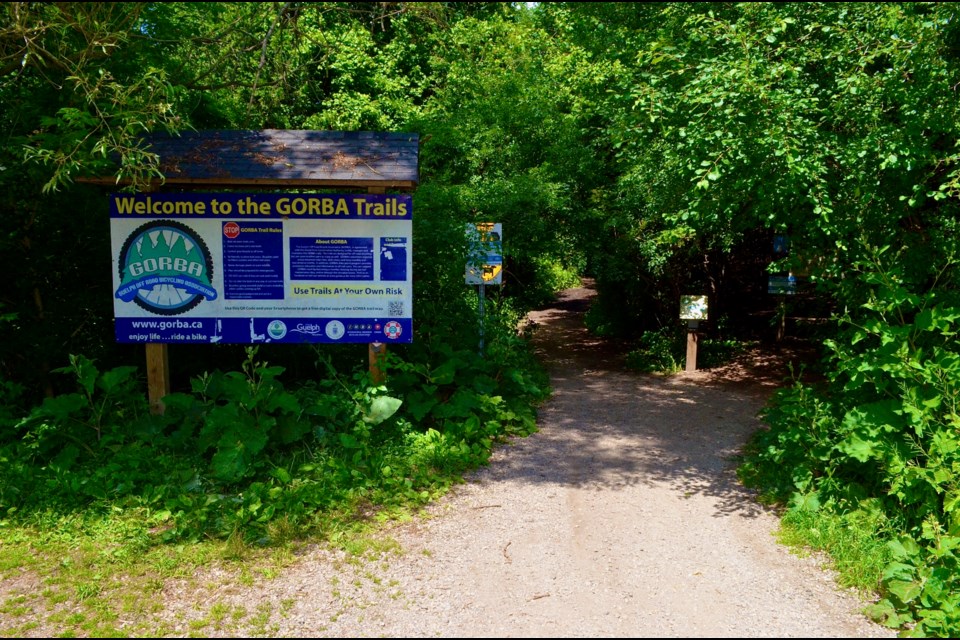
(485, 253)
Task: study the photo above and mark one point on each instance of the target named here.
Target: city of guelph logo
(165, 268)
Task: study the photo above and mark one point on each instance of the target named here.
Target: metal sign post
(482, 295)
(484, 262)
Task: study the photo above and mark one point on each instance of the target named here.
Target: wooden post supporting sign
(692, 345)
(378, 351)
(158, 371)
(158, 376)
(693, 309)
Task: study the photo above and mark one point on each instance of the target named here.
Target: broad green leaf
(281, 474)
(858, 448)
(444, 374)
(381, 409)
(229, 464)
(805, 502)
(63, 406)
(904, 547)
(884, 613)
(898, 571)
(115, 377)
(907, 591)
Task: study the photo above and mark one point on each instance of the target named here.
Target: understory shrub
(882, 435)
(241, 450)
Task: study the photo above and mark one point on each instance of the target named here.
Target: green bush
(241, 450)
(883, 432)
(662, 351)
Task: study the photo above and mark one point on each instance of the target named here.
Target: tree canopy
(659, 148)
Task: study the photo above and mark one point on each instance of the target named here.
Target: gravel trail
(621, 517)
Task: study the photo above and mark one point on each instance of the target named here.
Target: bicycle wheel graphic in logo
(165, 268)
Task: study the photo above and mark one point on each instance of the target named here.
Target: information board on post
(693, 308)
(257, 268)
(782, 285)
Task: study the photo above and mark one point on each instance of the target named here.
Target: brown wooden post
(377, 351)
(781, 320)
(158, 371)
(158, 376)
(692, 345)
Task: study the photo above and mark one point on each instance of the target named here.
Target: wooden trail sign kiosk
(251, 166)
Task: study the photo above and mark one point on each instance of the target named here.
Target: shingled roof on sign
(288, 158)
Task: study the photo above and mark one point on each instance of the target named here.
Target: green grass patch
(88, 586)
(855, 543)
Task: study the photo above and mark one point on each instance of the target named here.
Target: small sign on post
(484, 261)
(782, 285)
(485, 253)
(693, 309)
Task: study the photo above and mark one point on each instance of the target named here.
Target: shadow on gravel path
(624, 427)
(621, 517)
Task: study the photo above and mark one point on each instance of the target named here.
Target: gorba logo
(165, 268)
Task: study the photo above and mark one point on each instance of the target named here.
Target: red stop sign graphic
(231, 230)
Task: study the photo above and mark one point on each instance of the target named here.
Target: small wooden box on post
(278, 160)
(693, 309)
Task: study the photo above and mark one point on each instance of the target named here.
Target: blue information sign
(252, 268)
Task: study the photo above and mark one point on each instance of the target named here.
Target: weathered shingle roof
(287, 158)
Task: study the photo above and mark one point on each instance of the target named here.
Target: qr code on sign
(395, 309)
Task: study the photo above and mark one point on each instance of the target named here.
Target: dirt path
(622, 517)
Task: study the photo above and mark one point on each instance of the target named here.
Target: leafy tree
(508, 139)
(832, 123)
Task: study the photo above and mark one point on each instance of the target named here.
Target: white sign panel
(693, 307)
